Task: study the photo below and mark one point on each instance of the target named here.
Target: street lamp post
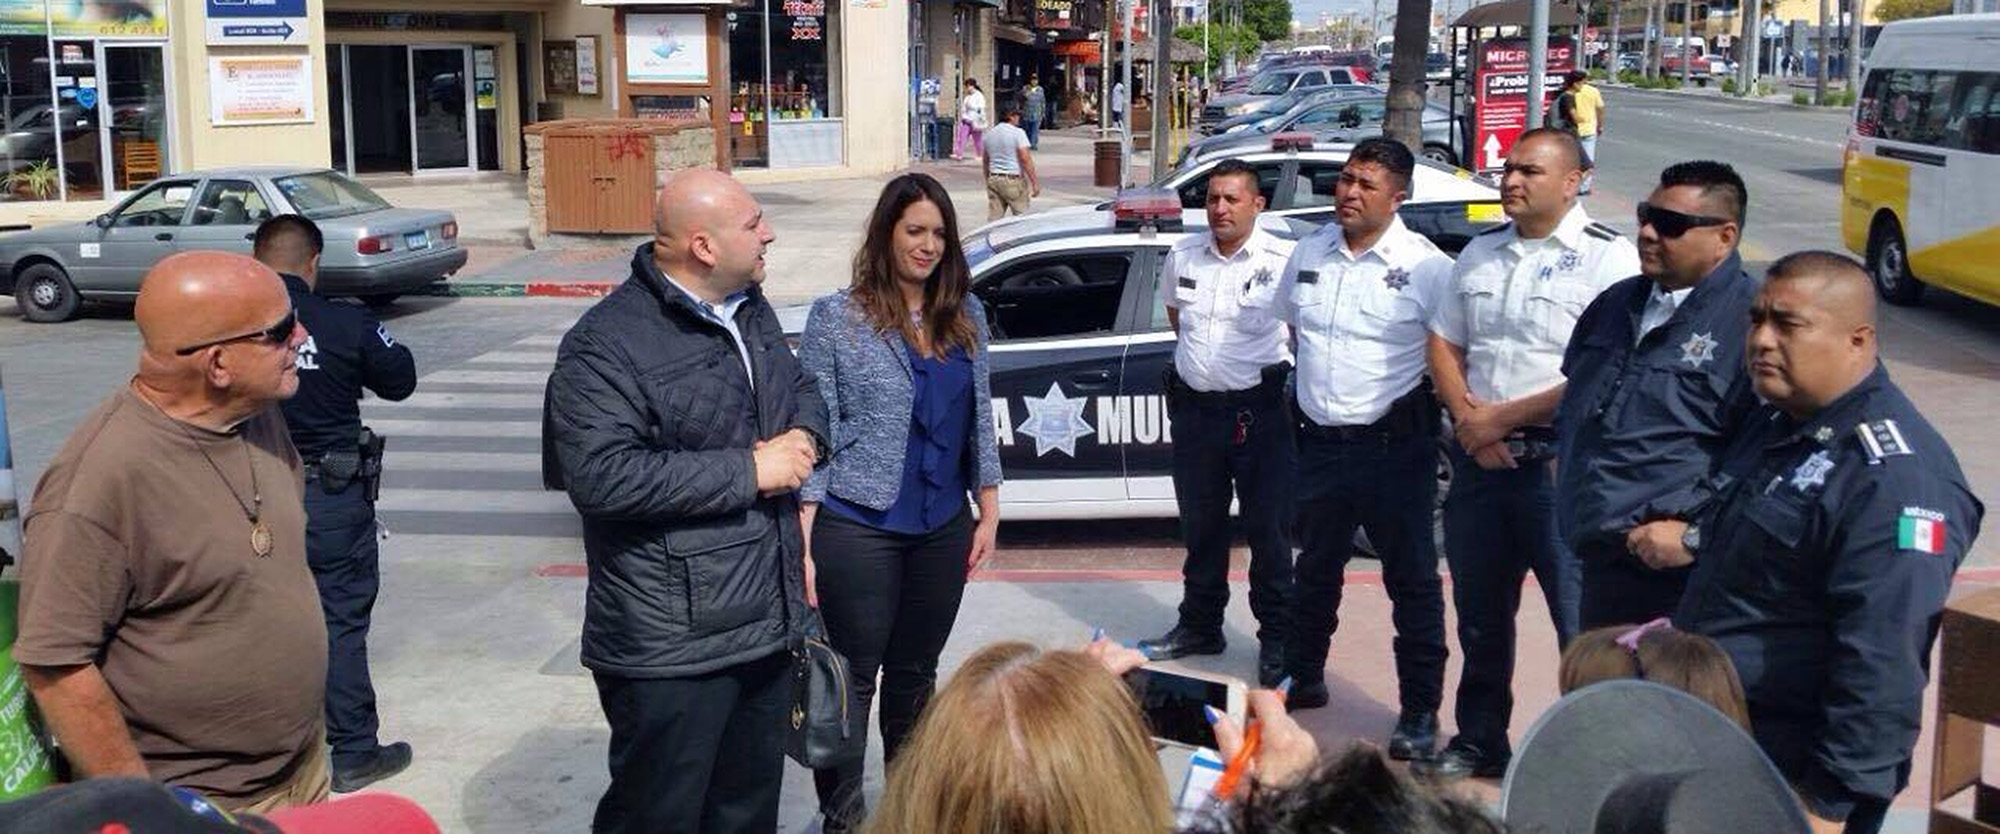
(1538, 59)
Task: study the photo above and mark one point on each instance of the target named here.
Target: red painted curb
(576, 289)
(572, 570)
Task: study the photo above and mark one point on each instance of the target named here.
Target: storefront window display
(28, 169)
(784, 104)
(83, 89)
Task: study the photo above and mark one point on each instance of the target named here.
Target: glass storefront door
(441, 106)
(134, 108)
(78, 85)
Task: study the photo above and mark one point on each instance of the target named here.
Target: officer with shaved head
(682, 427)
(169, 625)
(1823, 561)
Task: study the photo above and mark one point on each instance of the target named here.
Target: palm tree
(1405, 119)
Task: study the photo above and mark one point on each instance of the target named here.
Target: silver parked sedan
(373, 250)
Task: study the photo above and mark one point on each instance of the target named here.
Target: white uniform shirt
(1360, 319)
(1660, 306)
(1512, 303)
(1229, 329)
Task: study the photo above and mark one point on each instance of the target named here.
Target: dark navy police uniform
(346, 351)
(1657, 386)
(1823, 565)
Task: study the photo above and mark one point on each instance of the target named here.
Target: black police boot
(1181, 642)
(388, 760)
(1415, 738)
(1270, 663)
(1307, 694)
(1459, 760)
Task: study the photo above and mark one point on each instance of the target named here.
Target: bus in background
(1920, 177)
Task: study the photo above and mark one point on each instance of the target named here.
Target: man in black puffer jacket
(681, 426)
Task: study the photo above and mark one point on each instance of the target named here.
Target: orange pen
(1240, 763)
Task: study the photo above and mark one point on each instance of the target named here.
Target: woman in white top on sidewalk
(971, 121)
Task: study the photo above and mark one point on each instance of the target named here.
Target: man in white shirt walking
(1010, 168)
(1357, 294)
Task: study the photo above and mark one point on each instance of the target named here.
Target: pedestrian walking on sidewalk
(1496, 349)
(1034, 110)
(1232, 428)
(1586, 120)
(346, 351)
(1011, 181)
(901, 354)
(169, 625)
(971, 120)
(1357, 294)
(682, 428)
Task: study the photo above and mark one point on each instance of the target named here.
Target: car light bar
(1134, 208)
(1292, 142)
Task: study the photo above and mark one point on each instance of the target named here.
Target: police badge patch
(1261, 277)
(1813, 471)
(1570, 261)
(1698, 350)
(1397, 278)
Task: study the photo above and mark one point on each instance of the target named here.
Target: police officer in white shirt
(1231, 423)
(1357, 295)
(1496, 353)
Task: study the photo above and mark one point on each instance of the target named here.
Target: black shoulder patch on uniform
(1497, 229)
(1601, 231)
(1308, 276)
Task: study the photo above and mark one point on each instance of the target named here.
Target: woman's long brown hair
(874, 289)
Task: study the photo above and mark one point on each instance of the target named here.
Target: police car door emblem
(1397, 278)
(1570, 260)
(1813, 471)
(1055, 421)
(1698, 349)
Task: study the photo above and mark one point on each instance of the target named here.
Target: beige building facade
(97, 103)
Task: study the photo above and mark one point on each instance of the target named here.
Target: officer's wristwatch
(1691, 539)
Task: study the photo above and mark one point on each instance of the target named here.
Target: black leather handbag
(819, 733)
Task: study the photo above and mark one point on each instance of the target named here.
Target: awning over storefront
(1084, 51)
(991, 4)
(1515, 13)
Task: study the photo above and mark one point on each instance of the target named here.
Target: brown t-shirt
(138, 559)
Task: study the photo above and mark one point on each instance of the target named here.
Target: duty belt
(1412, 413)
(1272, 385)
(1534, 443)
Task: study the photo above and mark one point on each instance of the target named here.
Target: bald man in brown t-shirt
(169, 624)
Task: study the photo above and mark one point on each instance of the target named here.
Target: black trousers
(1498, 525)
(1210, 468)
(341, 549)
(889, 601)
(698, 754)
(1387, 485)
(1619, 589)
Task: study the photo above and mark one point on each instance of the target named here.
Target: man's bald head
(1837, 283)
(709, 232)
(1812, 332)
(216, 345)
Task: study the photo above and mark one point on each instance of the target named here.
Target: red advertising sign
(1500, 94)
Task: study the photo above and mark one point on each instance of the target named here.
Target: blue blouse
(935, 463)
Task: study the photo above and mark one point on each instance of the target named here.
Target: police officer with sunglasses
(347, 352)
(1657, 387)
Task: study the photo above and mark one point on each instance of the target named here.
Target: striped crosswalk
(464, 455)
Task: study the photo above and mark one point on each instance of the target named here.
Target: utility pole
(1855, 9)
(1687, 38)
(1538, 60)
(1617, 37)
(1104, 71)
(1163, 94)
(1125, 101)
(1819, 72)
(1753, 46)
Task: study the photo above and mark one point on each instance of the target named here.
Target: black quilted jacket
(648, 425)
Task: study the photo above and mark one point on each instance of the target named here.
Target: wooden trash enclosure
(599, 174)
(1967, 703)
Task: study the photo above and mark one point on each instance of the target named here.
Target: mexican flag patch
(1920, 530)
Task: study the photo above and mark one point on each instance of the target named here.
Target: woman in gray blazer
(901, 360)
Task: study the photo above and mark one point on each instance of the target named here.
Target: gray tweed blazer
(864, 377)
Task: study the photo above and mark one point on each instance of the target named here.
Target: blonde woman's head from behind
(1023, 741)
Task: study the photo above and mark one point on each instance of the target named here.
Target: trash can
(1107, 159)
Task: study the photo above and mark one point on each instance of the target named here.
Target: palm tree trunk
(1404, 122)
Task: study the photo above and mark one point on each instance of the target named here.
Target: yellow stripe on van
(1969, 264)
(1872, 183)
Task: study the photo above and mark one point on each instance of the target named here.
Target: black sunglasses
(1672, 224)
(275, 334)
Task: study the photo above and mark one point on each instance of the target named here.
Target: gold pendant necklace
(261, 540)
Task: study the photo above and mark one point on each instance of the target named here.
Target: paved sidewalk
(818, 224)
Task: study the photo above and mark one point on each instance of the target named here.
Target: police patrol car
(1080, 340)
(1447, 204)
